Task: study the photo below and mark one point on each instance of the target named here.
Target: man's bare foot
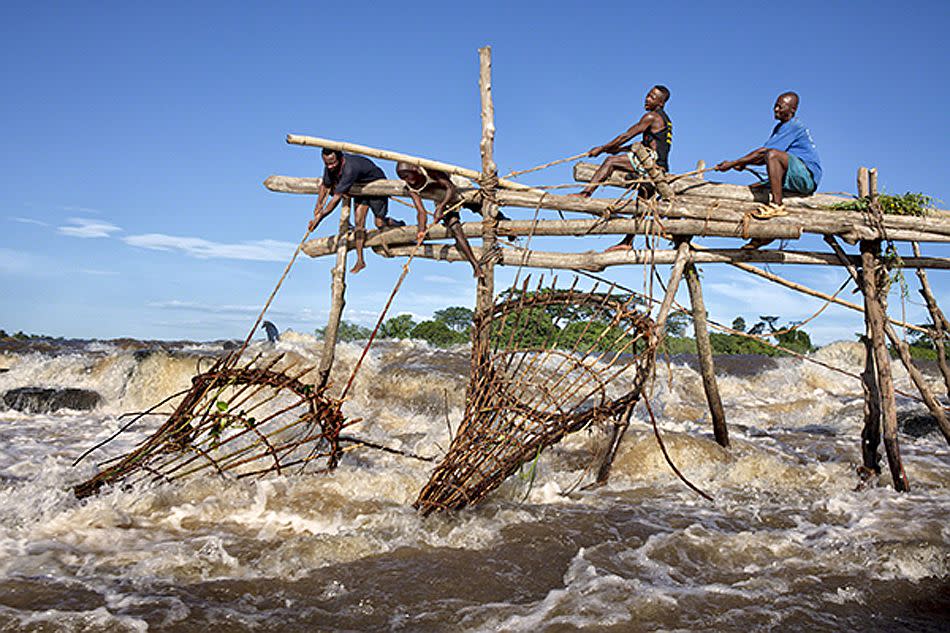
(756, 244)
(478, 273)
(358, 266)
(622, 246)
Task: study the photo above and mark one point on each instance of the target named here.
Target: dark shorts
(378, 204)
(474, 207)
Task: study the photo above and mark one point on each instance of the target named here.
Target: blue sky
(136, 137)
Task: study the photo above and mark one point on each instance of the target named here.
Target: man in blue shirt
(789, 155)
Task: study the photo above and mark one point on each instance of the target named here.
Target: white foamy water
(788, 543)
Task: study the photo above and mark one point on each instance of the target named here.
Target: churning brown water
(787, 544)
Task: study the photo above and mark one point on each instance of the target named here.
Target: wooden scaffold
(509, 419)
(685, 207)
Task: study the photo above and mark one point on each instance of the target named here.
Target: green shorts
(798, 178)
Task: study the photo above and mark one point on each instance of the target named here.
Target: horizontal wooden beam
(849, 225)
(698, 187)
(594, 262)
(406, 236)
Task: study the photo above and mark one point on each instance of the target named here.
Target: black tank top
(661, 141)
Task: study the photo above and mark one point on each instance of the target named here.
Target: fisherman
(341, 172)
(273, 334)
(657, 131)
(433, 181)
(790, 156)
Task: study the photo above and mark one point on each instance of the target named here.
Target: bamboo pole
(704, 353)
(337, 300)
(353, 148)
(940, 324)
(870, 259)
(485, 297)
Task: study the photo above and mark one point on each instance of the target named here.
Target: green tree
(531, 328)
(438, 333)
(347, 332)
(796, 340)
(738, 324)
(596, 335)
(456, 317)
(397, 327)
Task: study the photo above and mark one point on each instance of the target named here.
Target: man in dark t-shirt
(657, 131)
(341, 172)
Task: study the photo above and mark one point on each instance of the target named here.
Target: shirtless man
(440, 183)
(657, 131)
(341, 172)
(789, 155)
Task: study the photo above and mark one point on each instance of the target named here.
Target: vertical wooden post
(864, 190)
(871, 433)
(620, 427)
(704, 353)
(700, 166)
(874, 309)
(489, 177)
(337, 298)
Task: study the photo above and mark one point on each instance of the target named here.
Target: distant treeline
(580, 329)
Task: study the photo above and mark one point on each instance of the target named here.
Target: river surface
(789, 542)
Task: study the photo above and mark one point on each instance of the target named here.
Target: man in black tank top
(657, 131)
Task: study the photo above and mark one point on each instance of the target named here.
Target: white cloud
(29, 221)
(88, 228)
(261, 250)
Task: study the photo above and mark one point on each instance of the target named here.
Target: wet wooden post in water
(704, 354)
(872, 269)
(488, 181)
(337, 297)
(871, 433)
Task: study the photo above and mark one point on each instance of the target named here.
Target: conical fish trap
(552, 362)
(236, 422)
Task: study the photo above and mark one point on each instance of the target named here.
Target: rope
(666, 455)
(546, 165)
(234, 358)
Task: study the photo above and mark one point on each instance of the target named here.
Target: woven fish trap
(553, 362)
(235, 422)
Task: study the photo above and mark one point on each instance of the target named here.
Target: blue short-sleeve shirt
(793, 137)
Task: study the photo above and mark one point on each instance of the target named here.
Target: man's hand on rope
(726, 165)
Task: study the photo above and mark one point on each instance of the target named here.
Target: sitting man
(657, 131)
(789, 155)
(440, 183)
(341, 172)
